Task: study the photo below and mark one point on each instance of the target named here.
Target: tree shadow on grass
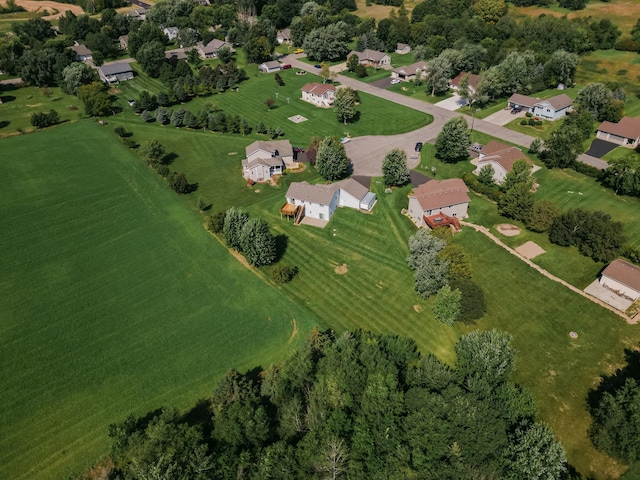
(201, 414)
(169, 158)
(4, 123)
(7, 98)
(282, 241)
(611, 383)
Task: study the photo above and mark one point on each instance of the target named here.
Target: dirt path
(36, 5)
(497, 241)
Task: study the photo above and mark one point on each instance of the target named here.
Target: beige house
(402, 48)
(321, 95)
(372, 58)
(501, 158)
(266, 159)
(284, 36)
(623, 278)
(473, 81)
(626, 132)
(210, 50)
(410, 72)
(435, 197)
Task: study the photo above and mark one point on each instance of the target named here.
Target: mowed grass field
(114, 299)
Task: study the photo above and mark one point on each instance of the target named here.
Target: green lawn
(411, 90)
(20, 103)
(114, 300)
(543, 131)
(620, 152)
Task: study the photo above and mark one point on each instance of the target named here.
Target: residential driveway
(338, 68)
(593, 161)
(503, 117)
(607, 296)
(452, 103)
(599, 148)
(382, 83)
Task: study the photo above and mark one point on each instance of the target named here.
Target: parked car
(395, 81)
(285, 66)
(317, 66)
(418, 146)
(515, 110)
(298, 50)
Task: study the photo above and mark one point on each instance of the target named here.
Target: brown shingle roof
(81, 50)
(411, 69)
(321, 194)
(368, 54)
(503, 154)
(627, 127)
(352, 187)
(560, 101)
(318, 88)
(624, 272)
(523, 100)
(441, 193)
(473, 79)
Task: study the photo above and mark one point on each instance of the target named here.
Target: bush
(524, 121)
(120, 131)
(627, 45)
(215, 222)
(284, 273)
(42, 119)
(493, 192)
(528, 114)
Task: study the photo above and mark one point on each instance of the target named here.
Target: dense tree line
(358, 405)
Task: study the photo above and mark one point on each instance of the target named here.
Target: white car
(395, 81)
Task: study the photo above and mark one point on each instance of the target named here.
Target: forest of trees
(358, 405)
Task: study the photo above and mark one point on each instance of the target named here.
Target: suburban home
(320, 201)
(284, 36)
(171, 32)
(372, 58)
(138, 13)
(82, 52)
(267, 158)
(439, 202)
(321, 95)
(124, 41)
(210, 50)
(473, 81)
(115, 72)
(501, 157)
(623, 278)
(179, 53)
(270, 67)
(552, 108)
(626, 132)
(402, 48)
(410, 72)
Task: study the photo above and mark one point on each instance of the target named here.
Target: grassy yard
(411, 90)
(543, 131)
(20, 103)
(114, 300)
(620, 152)
(377, 116)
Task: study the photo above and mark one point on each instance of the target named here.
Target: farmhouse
(210, 50)
(402, 48)
(626, 132)
(269, 67)
(82, 52)
(552, 108)
(501, 158)
(438, 199)
(623, 278)
(115, 72)
(265, 159)
(473, 81)
(372, 58)
(284, 36)
(171, 32)
(321, 95)
(410, 72)
(320, 201)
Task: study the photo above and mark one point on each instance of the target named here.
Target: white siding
(415, 211)
(348, 200)
(619, 287)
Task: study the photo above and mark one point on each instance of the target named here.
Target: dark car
(418, 146)
(516, 110)
(285, 66)
(317, 66)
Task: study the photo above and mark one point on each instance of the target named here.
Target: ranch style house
(435, 202)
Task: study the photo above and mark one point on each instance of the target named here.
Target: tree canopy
(453, 141)
(331, 160)
(394, 168)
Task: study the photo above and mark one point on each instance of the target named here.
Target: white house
(267, 158)
(410, 72)
(321, 95)
(501, 158)
(552, 108)
(626, 132)
(171, 32)
(372, 58)
(262, 169)
(284, 36)
(115, 72)
(402, 48)
(269, 67)
(320, 201)
(448, 197)
(623, 278)
(473, 81)
(210, 50)
(82, 52)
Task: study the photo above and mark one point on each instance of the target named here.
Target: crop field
(114, 300)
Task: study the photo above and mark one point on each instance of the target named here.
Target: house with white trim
(284, 36)
(436, 198)
(625, 133)
(266, 159)
(321, 95)
(500, 157)
(622, 278)
(403, 48)
(171, 32)
(551, 109)
(473, 81)
(372, 58)
(270, 67)
(409, 73)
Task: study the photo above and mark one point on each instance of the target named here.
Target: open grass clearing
(114, 300)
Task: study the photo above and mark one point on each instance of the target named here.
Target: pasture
(114, 300)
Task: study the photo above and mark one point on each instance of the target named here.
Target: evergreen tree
(394, 168)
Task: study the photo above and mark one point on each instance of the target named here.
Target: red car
(285, 66)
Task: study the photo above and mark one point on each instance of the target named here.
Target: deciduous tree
(96, 99)
(446, 308)
(453, 141)
(345, 104)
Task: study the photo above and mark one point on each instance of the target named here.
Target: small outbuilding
(403, 48)
(269, 67)
(82, 52)
(623, 278)
(115, 72)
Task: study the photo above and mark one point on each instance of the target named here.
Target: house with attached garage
(115, 72)
(623, 278)
(321, 95)
(626, 132)
(284, 36)
(266, 159)
(410, 72)
(473, 81)
(82, 52)
(138, 13)
(439, 202)
(319, 202)
(270, 67)
(551, 109)
(372, 58)
(500, 157)
(210, 50)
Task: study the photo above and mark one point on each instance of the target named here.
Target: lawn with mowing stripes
(114, 300)
(377, 116)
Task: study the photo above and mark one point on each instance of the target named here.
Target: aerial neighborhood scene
(287, 239)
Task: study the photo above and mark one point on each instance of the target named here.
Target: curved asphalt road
(366, 153)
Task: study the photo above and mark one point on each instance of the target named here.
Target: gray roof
(179, 53)
(268, 162)
(271, 64)
(81, 50)
(353, 188)
(213, 46)
(283, 147)
(115, 68)
(171, 30)
(368, 54)
(321, 194)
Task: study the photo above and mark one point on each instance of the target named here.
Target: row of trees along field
(358, 405)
